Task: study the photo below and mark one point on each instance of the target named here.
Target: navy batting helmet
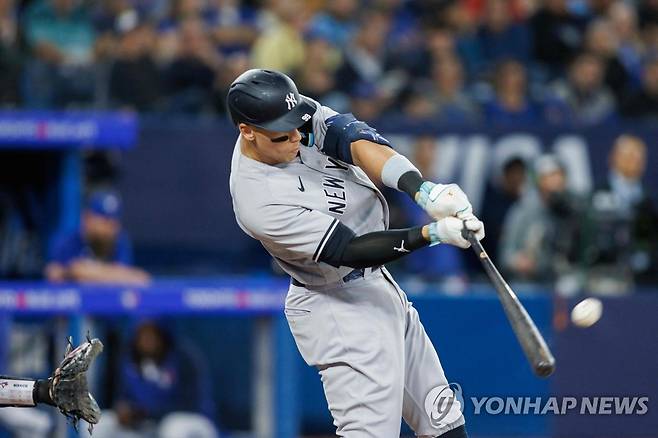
(268, 99)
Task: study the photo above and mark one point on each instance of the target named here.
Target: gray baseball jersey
(293, 208)
(363, 335)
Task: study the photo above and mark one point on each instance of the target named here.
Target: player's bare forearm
(91, 271)
(371, 157)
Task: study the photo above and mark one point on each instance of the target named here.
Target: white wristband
(16, 392)
(394, 168)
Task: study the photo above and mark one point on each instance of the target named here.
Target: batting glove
(443, 200)
(470, 217)
(449, 230)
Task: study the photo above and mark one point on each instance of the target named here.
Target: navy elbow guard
(342, 131)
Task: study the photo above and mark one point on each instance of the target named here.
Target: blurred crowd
(542, 232)
(501, 61)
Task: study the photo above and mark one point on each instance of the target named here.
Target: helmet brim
(296, 117)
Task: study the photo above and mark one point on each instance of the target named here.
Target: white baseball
(587, 312)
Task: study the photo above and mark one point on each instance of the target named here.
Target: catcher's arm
(22, 392)
(66, 389)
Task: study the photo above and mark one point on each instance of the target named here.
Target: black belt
(357, 273)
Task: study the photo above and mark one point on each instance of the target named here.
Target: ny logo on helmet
(291, 101)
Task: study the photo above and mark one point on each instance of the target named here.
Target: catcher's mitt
(68, 385)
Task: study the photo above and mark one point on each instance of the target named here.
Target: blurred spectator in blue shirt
(447, 91)
(405, 32)
(169, 41)
(233, 26)
(366, 60)
(337, 23)
(367, 101)
(499, 37)
(511, 103)
(165, 389)
(180, 11)
(100, 251)
(583, 98)
(438, 42)
(61, 37)
(455, 16)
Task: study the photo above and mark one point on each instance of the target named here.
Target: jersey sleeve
(319, 122)
(333, 133)
(291, 232)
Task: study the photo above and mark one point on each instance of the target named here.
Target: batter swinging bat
(532, 342)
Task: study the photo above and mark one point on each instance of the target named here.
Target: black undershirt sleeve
(343, 248)
(410, 183)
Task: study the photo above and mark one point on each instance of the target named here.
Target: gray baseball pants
(374, 358)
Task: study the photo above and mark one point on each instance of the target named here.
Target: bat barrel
(533, 344)
(544, 369)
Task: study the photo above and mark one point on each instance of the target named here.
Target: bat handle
(470, 236)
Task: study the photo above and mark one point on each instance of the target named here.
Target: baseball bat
(533, 344)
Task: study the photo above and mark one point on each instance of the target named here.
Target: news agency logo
(632, 405)
(444, 405)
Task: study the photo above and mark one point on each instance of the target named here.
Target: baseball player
(302, 184)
